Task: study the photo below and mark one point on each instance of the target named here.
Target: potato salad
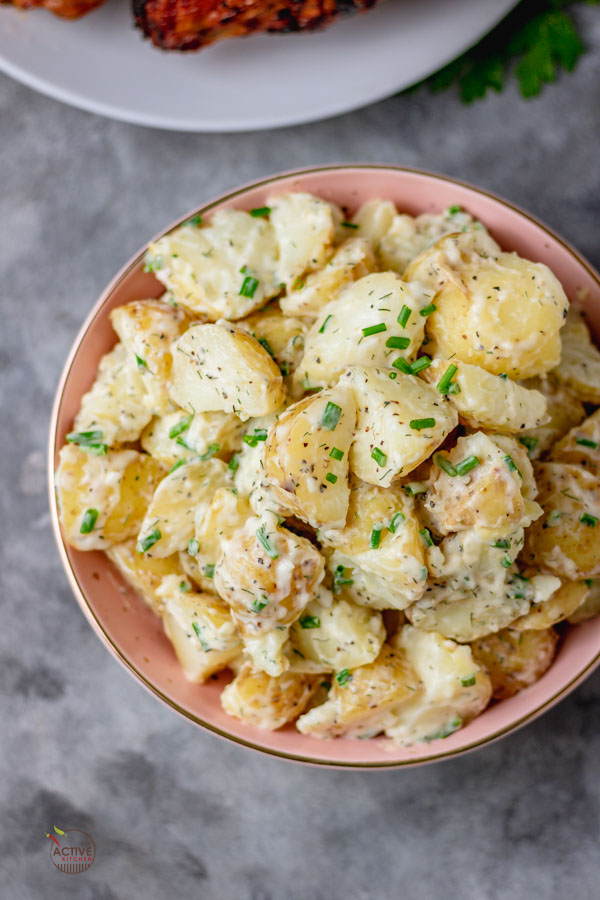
(353, 458)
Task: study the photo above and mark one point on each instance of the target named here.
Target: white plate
(102, 64)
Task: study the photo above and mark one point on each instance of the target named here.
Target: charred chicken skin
(192, 24)
(66, 9)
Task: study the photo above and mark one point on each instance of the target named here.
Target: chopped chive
(181, 426)
(587, 519)
(427, 310)
(264, 343)
(511, 464)
(444, 464)
(198, 633)
(339, 579)
(398, 343)
(85, 437)
(331, 416)
(141, 363)
(331, 478)
(467, 464)
(396, 520)
(260, 212)
(401, 364)
(589, 582)
(298, 284)
(504, 376)
(184, 586)
(343, 677)
(178, 464)
(210, 452)
(234, 463)
(150, 540)
(374, 329)
(209, 570)
(520, 578)
(349, 225)
(262, 538)
(452, 210)
(415, 487)
(195, 220)
(249, 285)
(152, 264)
(193, 547)
(392, 375)
(325, 321)
(309, 622)
(454, 388)
(95, 449)
(336, 454)
(259, 603)
(468, 680)
(260, 434)
(501, 544)
(585, 442)
(530, 443)
(420, 424)
(375, 539)
(405, 314)
(379, 456)
(88, 521)
(426, 537)
(423, 362)
(183, 443)
(446, 379)
(554, 516)
(506, 562)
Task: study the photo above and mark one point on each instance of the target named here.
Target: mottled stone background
(176, 812)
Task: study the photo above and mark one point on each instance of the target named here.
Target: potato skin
(579, 368)
(145, 574)
(265, 702)
(559, 606)
(577, 447)
(515, 659)
(564, 410)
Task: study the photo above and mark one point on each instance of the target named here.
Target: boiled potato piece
(144, 573)
(374, 220)
(494, 310)
(103, 499)
(304, 231)
(589, 608)
(566, 540)
(488, 401)
(362, 700)
(182, 435)
(226, 512)
(266, 702)
(492, 496)
(381, 539)
(408, 236)
(267, 575)
(337, 634)
(306, 457)
(147, 328)
(281, 336)
(200, 628)
(220, 367)
(351, 261)
(266, 652)
(399, 424)
(559, 606)
(248, 467)
(564, 411)
(581, 446)
(515, 659)
(116, 403)
(579, 368)
(478, 590)
(169, 522)
(453, 688)
(340, 336)
(202, 266)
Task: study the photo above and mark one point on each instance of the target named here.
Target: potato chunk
(362, 700)
(491, 495)
(566, 540)
(342, 337)
(381, 539)
(589, 607)
(374, 219)
(408, 236)
(306, 457)
(169, 522)
(453, 688)
(281, 336)
(399, 424)
(220, 367)
(116, 404)
(225, 513)
(494, 310)
(581, 446)
(103, 499)
(266, 652)
(351, 261)
(488, 401)
(201, 266)
(266, 702)
(564, 410)
(515, 659)
(144, 573)
(579, 368)
(180, 435)
(304, 229)
(337, 634)
(200, 628)
(559, 606)
(267, 575)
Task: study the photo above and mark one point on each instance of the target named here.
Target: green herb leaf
(420, 424)
(149, 541)
(375, 537)
(260, 212)
(265, 541)
(443, 384)
(193, 547)
(374, 329)
(343, 677)
(249, 285)
(259, 603)
(467, 464)
(398, 343)
(181, 426)
(340, 579)
(379, 456)
(530, 443)
(209, 570)
(324, 325)
(586, 442)
(427, 310)
(445, 465)
(587, 519)
(426, 537)
(234, 463)
(331, 478)
(88, 521)
(396, 520)
(195, 220)
(309, 622)
(349, 225)
(336, 454)
(331, 416)
(405, 314)
(468, 680)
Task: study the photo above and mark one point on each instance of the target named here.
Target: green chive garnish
(339, 579)
(178, 464)
(349, 225)
(210, 452)
(259, 603)
(427, 310)
(193, 547)
(310, 622)
(415, 487)
(260, 212)
(209, 570)
(405, 314)
(90, 441)
(397, 343)
(325, 321)
(184, 586)
(375, 537)
(343, 677)
(587, 519)
(88, 521)
(506, 562)
(426, 537)
(504, 376)
(452, 210)
(444, 383)
(150, 540)
(331, 478)
(445, 465)
(585, 442)
(501, 544)
(467, 464)
(379, 456)
(530, 443)
(260, 434)
(195, 220)
(510, 464)
(392, 375)
(423, 362)
(234, 463)
(262, 538)
(336, 454)
(249, 285)
(331, 416)
(141, 363)
(397, 519)
(401, 364)
(468, 680)
(374, 329)
(419, 424)
(181, 426)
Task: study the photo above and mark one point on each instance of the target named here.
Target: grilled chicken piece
(192, 24)
(66, 9)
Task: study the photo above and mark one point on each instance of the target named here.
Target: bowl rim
(77, 588)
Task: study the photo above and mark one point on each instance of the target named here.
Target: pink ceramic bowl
(135, 636)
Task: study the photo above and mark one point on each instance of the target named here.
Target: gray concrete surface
(175, 812)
